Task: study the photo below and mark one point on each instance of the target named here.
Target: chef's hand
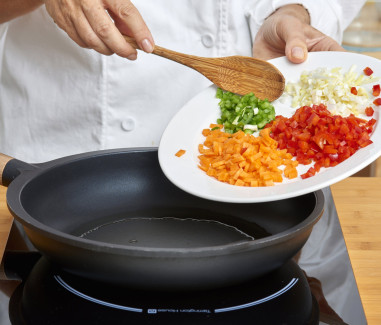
(288, 32)
(88, 23)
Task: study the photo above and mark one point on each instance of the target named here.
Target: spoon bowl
(237, 74)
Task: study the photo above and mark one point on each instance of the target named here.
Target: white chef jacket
(58, 99)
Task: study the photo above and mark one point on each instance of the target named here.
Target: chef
(69, 83)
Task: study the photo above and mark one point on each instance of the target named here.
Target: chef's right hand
(88, 23)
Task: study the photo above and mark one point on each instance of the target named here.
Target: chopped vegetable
(180, 153)
(368, 71)
(313, 134)
(243, 159)
(377, 102)
(369, 111)
(376, 90)
(243, 113)
(342, 92)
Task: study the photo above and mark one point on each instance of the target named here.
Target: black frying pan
(114, 217)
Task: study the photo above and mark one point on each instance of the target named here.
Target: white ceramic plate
(184, 132)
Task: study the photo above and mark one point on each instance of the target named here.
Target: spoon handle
(237, 74)
(192, 61)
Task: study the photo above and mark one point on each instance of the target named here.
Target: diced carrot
(206, 132)
(254, 183)
(239, 182)
(244, 160)
(218, 163)
(213, 126)
(180, 153)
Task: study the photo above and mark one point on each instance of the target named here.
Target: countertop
(5, 222)
(358, 203)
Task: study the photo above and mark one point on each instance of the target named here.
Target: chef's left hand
(288, 32)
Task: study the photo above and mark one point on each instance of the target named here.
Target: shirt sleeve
(331, 17)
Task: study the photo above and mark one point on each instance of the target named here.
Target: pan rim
(17, 210)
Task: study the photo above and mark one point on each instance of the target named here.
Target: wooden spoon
(237, 74)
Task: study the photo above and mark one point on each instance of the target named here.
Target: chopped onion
(331, 87)
(250, 127)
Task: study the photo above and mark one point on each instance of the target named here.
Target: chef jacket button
(207, 40)
(128, 124)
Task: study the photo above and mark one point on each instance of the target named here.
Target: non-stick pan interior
(124, 198)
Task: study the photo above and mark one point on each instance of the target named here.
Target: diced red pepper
(281, 126)
(369, 111)
(376, 90)
(364, 140)
(313, 119)
(368, 71)
(344, 129)
(310, 172)
(329, 149)
(303, 136)
(314, 135)
(303, 145)
(377, 102)
(354, 90)
(371, 122)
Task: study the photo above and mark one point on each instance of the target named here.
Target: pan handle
(10, 168)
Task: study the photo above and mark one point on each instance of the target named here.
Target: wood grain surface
(6, 221)
(3, 161)
(358, 204)
(238, 74)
